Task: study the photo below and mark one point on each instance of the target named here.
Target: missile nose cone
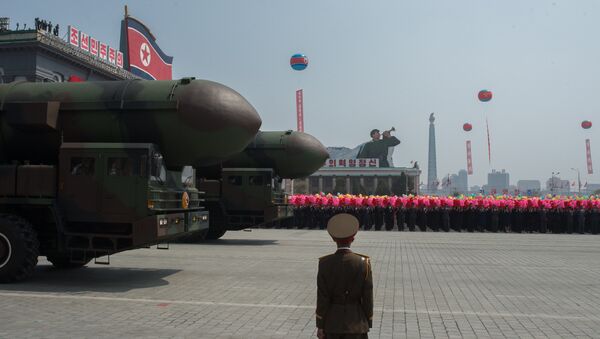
(227, 121)
(309, 149)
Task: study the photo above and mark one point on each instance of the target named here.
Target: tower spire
(432, 181)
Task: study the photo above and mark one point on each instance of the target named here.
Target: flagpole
(487, 127)
(127, 39)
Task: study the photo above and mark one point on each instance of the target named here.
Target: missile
(194, 122)
(290, 154)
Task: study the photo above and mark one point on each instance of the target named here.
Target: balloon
(298, 62)
(467, 127)
(484, 95)
(586, 124)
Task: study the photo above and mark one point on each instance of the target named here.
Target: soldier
(378, 147)
(344, 285)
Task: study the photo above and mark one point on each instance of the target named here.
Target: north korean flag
(144, 57)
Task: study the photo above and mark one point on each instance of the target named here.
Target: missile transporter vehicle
(246, 189)
(92, 169)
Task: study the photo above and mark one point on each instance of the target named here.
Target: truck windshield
(158, 172)
(188, 176)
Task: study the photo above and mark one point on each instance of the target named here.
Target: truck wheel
(62, 261)
(217, 223)
(215, 233)
(19, 248)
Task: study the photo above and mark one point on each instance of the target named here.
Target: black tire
(217, 222)
(215, 233)
(62, 261)
(19, 248)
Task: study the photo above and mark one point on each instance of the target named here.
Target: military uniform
(344, 287)
(378, 149)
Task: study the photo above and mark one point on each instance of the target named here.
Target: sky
(378, 64)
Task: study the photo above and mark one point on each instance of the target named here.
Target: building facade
(38, 56)
(497, 183)
(555, 185)
(529, 187)
(457, 183)
(371, 181)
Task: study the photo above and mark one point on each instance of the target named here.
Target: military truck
(246, 189)
(92, 169)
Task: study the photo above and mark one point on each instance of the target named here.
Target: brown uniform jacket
(344, 293)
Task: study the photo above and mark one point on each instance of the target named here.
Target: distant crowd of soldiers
(43, 25)
(453, 214)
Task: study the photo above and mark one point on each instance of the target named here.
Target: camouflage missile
(194, 122)
(290, 154)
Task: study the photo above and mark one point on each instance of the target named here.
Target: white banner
(103, 53)
(93, 46)
(364, 163)
(73, 36)
(84, 40)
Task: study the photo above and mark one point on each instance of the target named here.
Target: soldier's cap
(374, 131)
(342, 227)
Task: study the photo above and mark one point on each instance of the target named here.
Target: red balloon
(467, 127)
(586, 124)
(484, 95)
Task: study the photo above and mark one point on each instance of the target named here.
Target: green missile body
(290, 154)
(194, 122)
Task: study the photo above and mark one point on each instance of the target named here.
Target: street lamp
(578, 179)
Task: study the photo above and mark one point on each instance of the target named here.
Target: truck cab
(244, 197)
(99, 199)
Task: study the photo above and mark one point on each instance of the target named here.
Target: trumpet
(390, 130)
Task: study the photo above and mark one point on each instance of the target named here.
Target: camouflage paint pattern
(290, 154)
(45, 126)
(194, 122)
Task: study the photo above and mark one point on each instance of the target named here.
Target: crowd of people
(46, 26)
(551, 214)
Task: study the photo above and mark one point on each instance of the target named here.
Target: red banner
(300, 110)
(588, 155)
(469, 159)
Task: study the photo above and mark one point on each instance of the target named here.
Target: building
(554, 185)
(476, 189)
(36, 55)
(591, 188)
(529, 187)
(497, 183)
(459, 183)
(360, 176)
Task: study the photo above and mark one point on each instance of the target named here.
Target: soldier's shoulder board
(362, 255)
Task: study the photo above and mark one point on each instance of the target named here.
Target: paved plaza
(262, 284)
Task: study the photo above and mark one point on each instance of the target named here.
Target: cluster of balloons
(466, 213)
(430, 201)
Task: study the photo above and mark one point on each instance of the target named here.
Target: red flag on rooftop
(142, 55)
